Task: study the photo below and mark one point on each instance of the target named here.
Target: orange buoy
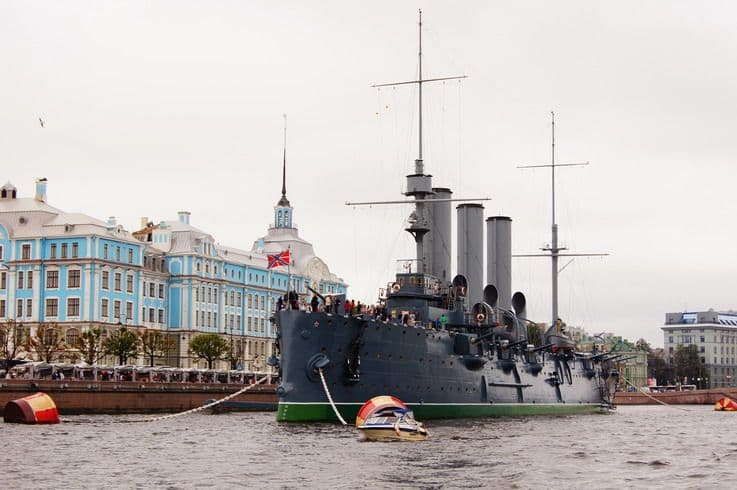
(726, 405)
(33, 409)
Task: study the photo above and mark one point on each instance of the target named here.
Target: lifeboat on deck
(386, 418)
(34, 409)
(726, 405)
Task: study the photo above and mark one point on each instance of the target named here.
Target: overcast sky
(159, 106)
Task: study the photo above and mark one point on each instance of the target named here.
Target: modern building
(80, 272)
(714, 333)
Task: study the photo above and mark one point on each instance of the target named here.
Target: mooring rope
(203, 407)
(641, 390)
(330, 398)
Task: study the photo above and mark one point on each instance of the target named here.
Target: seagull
(41, 121)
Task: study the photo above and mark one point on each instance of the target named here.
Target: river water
(640, 447)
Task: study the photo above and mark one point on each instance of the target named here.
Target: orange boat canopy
(33, 409)
(375, 404)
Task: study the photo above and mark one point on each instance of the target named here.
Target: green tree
(122, 343)
(154, 343)
(48, 342)
(209, 346)
(687, 363)
(643, 344)
(658, 369)
(89, 344)
(11, 340)
(534, 335)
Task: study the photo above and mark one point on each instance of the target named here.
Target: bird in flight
(41, 122)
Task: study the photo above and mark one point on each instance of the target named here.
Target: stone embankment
(693, 397)
(118, 397)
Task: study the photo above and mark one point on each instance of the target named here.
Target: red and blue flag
(276, 260)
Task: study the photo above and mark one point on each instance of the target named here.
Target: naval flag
(282, 258)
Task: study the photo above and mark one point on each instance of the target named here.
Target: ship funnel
(519, 303)
(470, 248)
(499, 257)
(491, 295)
(438, 247)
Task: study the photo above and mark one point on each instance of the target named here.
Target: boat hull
(428, 369)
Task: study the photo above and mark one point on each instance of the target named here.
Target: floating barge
(74, 397)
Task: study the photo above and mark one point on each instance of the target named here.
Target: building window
(75, 250)
(152, 290)
(129, 282)
(105, 308)
(72, 337)
(250, 300)
(26, 252)
(116, 309)
(198, 267)
(2, 308)
(117, 254)
(52, 253)
(161, 315)
(151, 315)
(20, 280)
(197, 294)
(215, 295)
(105, 280)
(3, 280)
(52, 279)
(105, 251)
(130, 256)
(63, 250)
(29, 280)
(52, 307)
(29, 308)
(74, 279)
(19, 309)
(73, 307)
(161, 291)
(128, 311)
(117, 281)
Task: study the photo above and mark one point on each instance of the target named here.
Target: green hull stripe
(312, 412)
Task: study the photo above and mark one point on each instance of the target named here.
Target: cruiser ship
(447, 348)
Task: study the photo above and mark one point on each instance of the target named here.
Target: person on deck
(314, 303)
(347, 308)
(328, 304)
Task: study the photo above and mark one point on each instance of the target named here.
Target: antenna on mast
(554, 250)
(419, 167)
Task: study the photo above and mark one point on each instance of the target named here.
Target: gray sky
(160, 106)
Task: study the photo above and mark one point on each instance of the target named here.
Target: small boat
(386, 418)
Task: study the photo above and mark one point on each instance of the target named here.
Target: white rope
(205, 407)
(641, 390)
(330, 398)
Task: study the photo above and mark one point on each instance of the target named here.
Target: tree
(89, 344)
(48, 342)
(122, 343)
(643, 344)
(534, 336)
(209, 346)
(11, 340)
(659, 369)
(687, 363)
(154, 343)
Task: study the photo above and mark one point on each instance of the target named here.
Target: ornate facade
(78, 271)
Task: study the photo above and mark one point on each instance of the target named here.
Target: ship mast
(419, 185)
(554, 249)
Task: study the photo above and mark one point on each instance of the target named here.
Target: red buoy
(33, 409)
(726, 405)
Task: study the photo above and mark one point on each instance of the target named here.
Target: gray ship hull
(437, 373)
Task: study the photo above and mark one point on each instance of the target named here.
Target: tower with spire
(283, 210)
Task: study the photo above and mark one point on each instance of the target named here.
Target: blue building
(81, 272)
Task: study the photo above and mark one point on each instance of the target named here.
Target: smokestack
(439, 241)
(499, 257)
(184, 217)
(41, 189)
(470, 249)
